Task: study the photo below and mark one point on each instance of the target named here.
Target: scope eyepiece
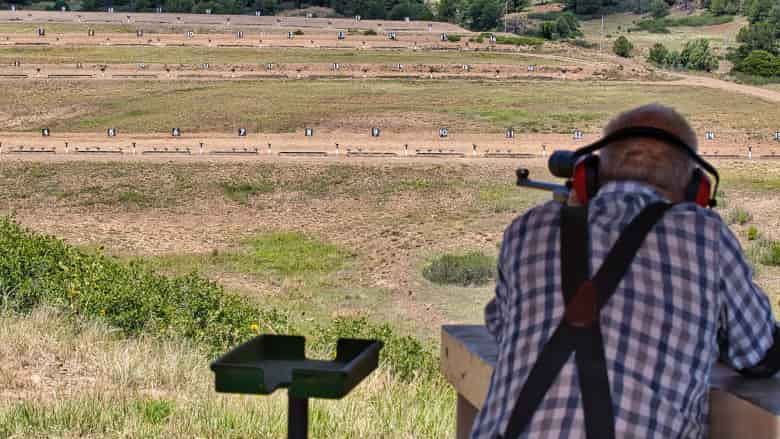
(561, 164)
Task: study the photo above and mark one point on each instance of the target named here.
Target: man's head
(650, 160)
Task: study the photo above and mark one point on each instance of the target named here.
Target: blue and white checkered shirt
(688, 285)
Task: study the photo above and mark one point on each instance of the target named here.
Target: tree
(757, 36)
(584, 7)
(659, 8)
(697, 55)
(758, 10)
(622, 47)
(411, 9)
(724, 7)
(446, 10)
(547, 30)
(483, 15)
(658, 54)
(178, 5)
(374, 10)
(759, 63)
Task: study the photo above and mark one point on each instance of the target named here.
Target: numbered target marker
(444, 132)
(510, 133)
(111, 132)
(242, 132)
(176, 132)
(45, 132)
(308, 132)
(375, 132)
(709, 135)
(577, 135)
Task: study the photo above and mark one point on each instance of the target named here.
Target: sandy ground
(418, 145)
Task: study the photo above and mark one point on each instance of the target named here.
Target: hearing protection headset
(581, 167)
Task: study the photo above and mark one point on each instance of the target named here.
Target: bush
(752, 233)
(452, 38)
(472, 268)
(547, 30)
(658, 54)
(759, 63)
(697, 55)
(659, 8)
(519, 40)
(38, 269)
(545, 16)
(584, 43)
(622, 47)
(411, 9)
(721, 7)
(369, 32)
(653, 26)
(772, 254)
(298, 32)
(739, 216)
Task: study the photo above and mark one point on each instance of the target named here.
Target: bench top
(482, 347)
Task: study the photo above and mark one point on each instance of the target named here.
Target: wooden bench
(739, 408)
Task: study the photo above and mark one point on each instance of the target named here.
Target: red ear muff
(699, 189)
(586, 178)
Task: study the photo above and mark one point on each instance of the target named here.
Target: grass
(287, 106)
(739, 216)
(280, 253)
(243, 191)
(471, 268)
(160, 388)
(252, 56)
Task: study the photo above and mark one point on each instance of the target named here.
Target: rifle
(561, 164)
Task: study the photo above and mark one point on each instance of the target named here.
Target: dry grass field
(313, 240)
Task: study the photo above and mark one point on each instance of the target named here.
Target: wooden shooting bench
(739, 408)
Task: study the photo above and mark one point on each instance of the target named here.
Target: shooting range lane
(739, 408)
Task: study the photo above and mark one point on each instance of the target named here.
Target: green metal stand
(268, 362)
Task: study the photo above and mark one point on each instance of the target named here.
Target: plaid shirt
(687, 288)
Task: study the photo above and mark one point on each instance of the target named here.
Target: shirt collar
(628, 186)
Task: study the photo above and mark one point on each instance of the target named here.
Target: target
(391, 35)
(375, 132)
(208, 11)
(709, 135)
(399, 67)
(45, 132)
(357, 17)
(341, 35)
(269, 66)
(258, 13)
(111, 132)
(204, 66)
(510, 133)
(290, 35)
(336, 66)
(159, 10)
(41, 32)
(239, 35)
(64, 9)
(176, 132)
(443, 37)
(444, 132)
(492, 38)
(777, 135)
(17, 63)
(91, 32)
(577, 135)
(407, 19)
(139, 33)
(190, 34)
(308, 132)
(466, 67)
(242, 132)
(13, 7)
(309, 15)
(141, 66)
(110, 10)
(531, 67)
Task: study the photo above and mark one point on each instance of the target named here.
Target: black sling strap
(579, 332)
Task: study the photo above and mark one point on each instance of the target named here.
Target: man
(686, 299)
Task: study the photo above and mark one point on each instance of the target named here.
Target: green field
(288, 105)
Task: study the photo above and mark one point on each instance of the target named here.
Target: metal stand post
(297, 417)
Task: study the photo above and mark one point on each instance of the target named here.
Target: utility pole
(601, 40)
(506, 12)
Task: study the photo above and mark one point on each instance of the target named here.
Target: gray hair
(649, 160)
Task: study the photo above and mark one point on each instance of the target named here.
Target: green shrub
(697, 55)
(653, 26)
(478, 39)
(759, 63)
(369, 32)
(298, 32)
(739, 216)
(579, 42)
(154, 411)
(545, 16)
(622, 47)
(658, 54)
(132, 297)
(473, 268)
(519, 40)
(659, 8)
(772, 254)
(752, 233)
(453, 38)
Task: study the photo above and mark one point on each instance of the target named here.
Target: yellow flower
(255, 327)
(102, 312)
